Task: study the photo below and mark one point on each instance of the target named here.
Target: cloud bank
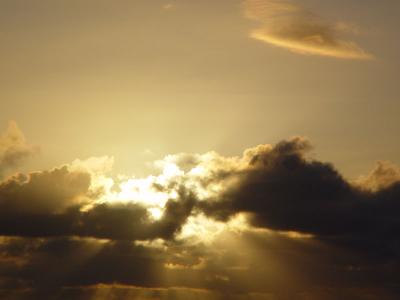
(289, 25)
(269, 224)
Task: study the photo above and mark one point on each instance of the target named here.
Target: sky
(231, 149)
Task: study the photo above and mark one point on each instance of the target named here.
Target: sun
(144, 191)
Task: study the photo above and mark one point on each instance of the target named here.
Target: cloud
(272, 223)
(249, 265)
(43, 192)
(283, 190)
(59, 203)
(289, 25)
(168, 6)
(13, 147)
(381, 177)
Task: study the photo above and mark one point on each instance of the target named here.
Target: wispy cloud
(289, 25)
(13, 147)
(168, 6)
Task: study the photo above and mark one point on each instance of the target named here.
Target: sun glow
(201, 229)
(148, 192)
(153, 191)
(175, 172)
(144, 192)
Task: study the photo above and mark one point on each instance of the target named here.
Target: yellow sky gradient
(125, 78)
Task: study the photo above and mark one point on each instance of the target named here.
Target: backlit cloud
(271, 223)
(13, 147)
(289, 25)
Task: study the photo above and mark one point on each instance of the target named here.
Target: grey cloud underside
(44, 206)
(279, 266)
(286, 192)
(354, 252)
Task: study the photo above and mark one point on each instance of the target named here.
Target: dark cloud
(103, 221)
(283, 190)
(312, 233)
(52, 203)
(45, 267)
(249, 265)
(43, 192)
(132, 221)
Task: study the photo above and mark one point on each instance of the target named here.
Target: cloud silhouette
(283, 190)
(270, 224)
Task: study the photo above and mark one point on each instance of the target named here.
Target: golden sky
(87, 78)
(231, 149)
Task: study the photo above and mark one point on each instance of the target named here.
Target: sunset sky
(230, 149)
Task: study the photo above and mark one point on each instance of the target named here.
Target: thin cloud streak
(288, 25)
